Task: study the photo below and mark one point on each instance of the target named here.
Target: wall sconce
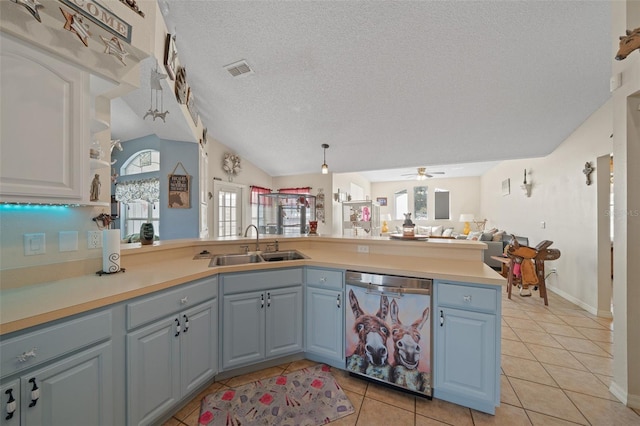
(526, 187)
(325, 168)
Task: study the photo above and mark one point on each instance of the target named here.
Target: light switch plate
(68, 240)
(34, 244)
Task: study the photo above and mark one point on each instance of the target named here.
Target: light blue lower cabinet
(260, 325)
(59, 375)
(324, 327)
(261, 316)
(168, 359)
(467, 345)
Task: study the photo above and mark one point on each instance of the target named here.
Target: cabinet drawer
(22, 352)
(467, 297)
(156, 306)
(325, 278)
(260, 280)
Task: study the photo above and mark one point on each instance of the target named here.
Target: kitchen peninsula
(165, 288)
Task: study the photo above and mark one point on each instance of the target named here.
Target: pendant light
(325, 168)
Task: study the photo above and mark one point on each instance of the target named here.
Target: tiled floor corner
(556, 370)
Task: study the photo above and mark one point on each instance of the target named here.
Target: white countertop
(36, 304)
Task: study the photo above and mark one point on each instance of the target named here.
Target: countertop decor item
(310, 396)
(408, 227)
(147, 233)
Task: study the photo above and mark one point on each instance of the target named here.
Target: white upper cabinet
(44, 137)
(48, 122)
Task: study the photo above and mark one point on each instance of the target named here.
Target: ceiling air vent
(239, 68)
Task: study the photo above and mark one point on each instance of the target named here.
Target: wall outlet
(363, 249)
(94, 239)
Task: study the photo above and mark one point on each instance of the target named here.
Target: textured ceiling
(393, 85)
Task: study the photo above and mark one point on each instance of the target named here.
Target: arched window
(140, 196)
(141, 162)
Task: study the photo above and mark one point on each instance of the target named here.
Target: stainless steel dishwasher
(388, 330)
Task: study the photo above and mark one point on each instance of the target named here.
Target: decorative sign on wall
(114, 48)
(75, 24)
(191, 106)
(102, 17)
(171, 56)
(31, 6)
(181, 85)
(179, 189)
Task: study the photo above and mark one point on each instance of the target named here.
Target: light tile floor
(556, 369)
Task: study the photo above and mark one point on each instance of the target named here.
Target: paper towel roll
(111, 250)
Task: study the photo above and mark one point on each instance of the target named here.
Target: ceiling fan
(422, 174)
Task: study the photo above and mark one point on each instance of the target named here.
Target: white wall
(560, 198)
(464, 197)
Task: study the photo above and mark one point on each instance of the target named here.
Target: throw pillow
(475, 235)
(447, 232)
(437, 230)
(486, 236)
(423, 230)
(498, 236)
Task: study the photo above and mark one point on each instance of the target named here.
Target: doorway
(228, 209)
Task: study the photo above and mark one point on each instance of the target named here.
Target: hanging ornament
(114, 48)
(156, 97)
(75, 24)
(32, 6)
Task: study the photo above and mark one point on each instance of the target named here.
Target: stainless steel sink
(235, 259)
(278, 256)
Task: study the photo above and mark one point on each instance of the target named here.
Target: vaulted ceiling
(393, 84)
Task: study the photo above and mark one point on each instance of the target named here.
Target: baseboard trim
(591, 309)
(619, 393)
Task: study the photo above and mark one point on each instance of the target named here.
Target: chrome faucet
(246, 231)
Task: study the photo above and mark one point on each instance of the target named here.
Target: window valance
(146, 190)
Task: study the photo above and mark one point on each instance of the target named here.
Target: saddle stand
(527, 267)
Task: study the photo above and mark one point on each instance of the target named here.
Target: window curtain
(146, 190)
(257, 190)
(302, 190)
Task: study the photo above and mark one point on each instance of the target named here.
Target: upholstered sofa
(496, 248)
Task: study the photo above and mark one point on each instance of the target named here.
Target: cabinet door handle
(262, 301)
(178, 328)
(186, 323)
(323, 279)
(35, 392)
(268, 300)
(11, 404)
(184, 300)
(338, 301)
(441, 318)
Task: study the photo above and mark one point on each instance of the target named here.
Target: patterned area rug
(310, 396)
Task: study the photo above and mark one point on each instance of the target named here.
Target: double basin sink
(243, 258)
